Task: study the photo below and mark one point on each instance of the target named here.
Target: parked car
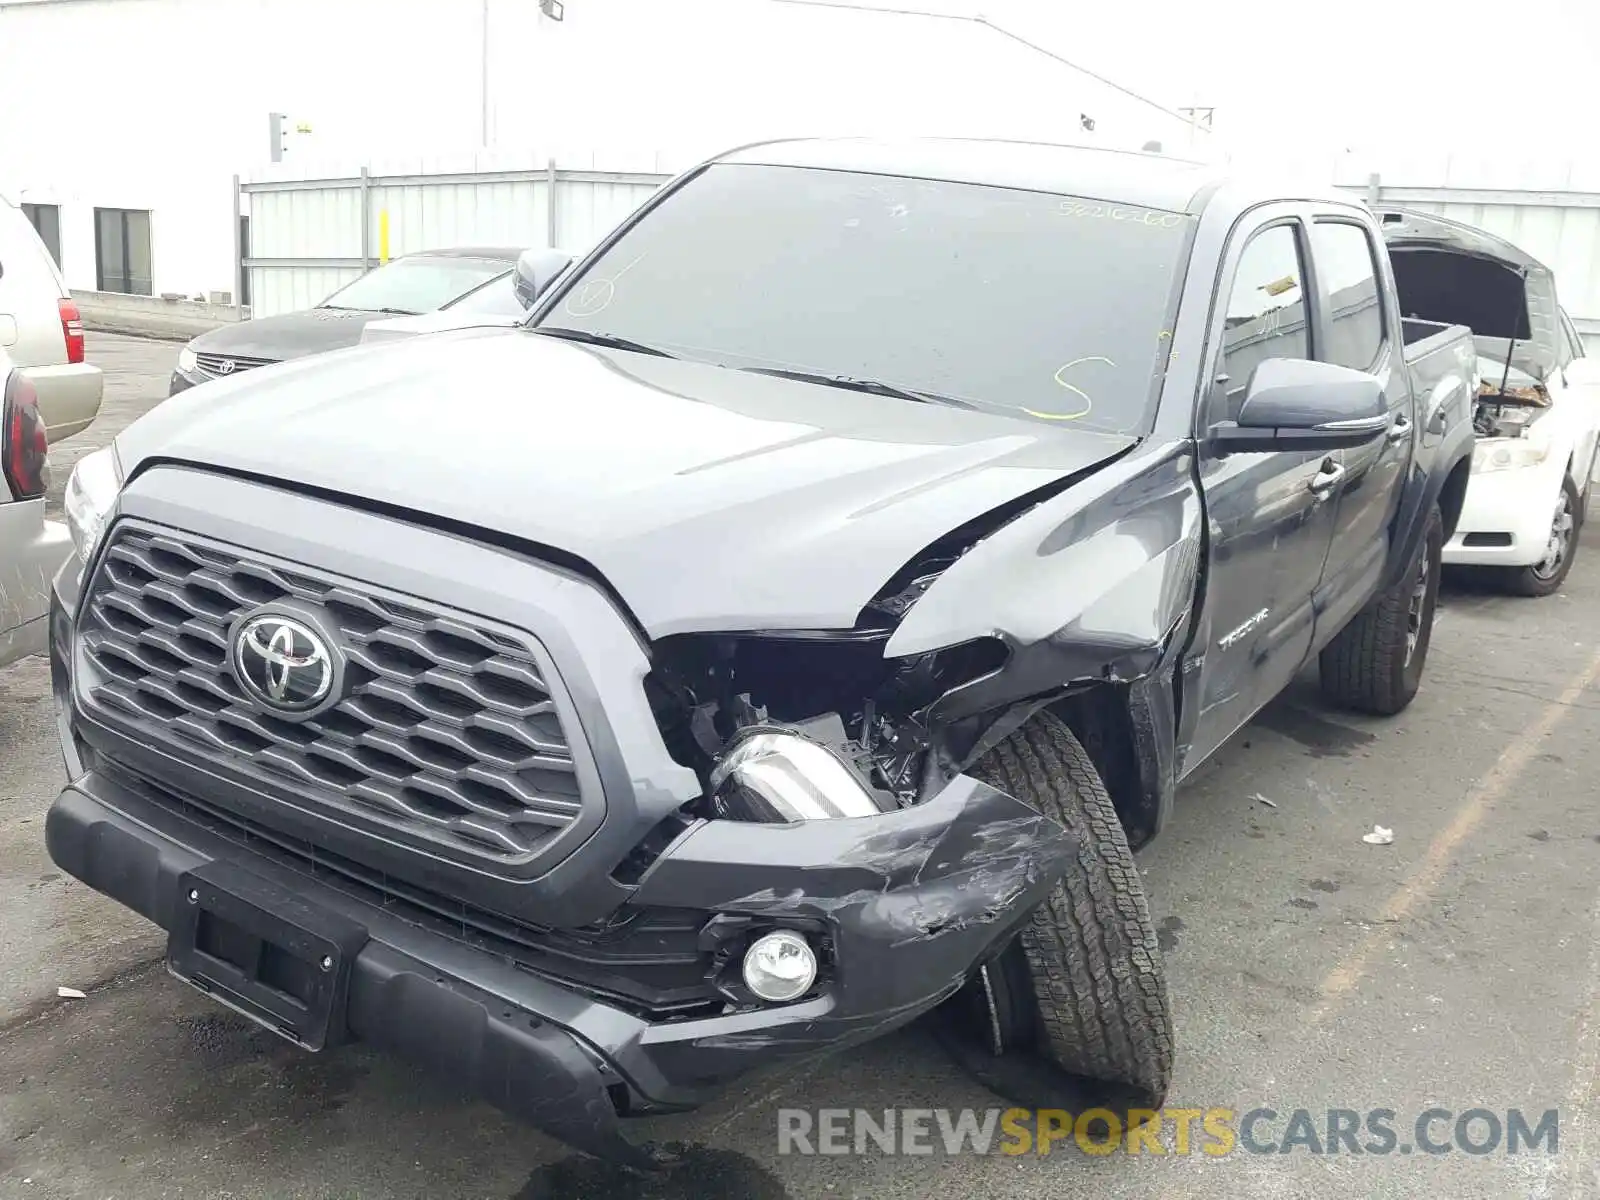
(498, 303)
(734, 686)
(479, 277)
(41, 330)
(31, 548)
(1538, 403)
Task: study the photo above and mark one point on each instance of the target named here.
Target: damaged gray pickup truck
(837, 576)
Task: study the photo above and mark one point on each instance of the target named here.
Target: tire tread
(1091, 948)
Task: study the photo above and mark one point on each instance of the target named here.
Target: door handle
(1401, 429)
(1325, 480)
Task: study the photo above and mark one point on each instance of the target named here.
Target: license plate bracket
(262, 950)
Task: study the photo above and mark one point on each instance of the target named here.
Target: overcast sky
(1414, 75)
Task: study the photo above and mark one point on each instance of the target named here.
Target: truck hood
(710, 499)
(287, 335)
(391, 328)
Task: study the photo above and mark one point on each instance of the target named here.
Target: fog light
(779, 966)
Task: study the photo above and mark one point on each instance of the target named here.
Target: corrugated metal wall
(309, 237)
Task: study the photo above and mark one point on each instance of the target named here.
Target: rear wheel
(1375, 663)
(1546, 576)
(1083, 983)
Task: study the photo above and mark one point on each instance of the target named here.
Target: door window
(1266, 310)
(1349, 277)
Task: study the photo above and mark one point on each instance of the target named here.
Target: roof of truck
(1142, 178)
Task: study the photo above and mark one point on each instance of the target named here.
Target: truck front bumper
(910, 903)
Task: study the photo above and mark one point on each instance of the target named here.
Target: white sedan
(1538, 406)
(1531, 475)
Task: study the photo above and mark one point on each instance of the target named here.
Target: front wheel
(1083, 981)
(1546, 576)
(1375, 663)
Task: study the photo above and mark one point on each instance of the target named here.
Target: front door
(1269, 515)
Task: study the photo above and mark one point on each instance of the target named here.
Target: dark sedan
(478, 279)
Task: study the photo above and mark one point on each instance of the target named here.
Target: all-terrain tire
(1544, 579)
(1373, 666)
(1093, 964)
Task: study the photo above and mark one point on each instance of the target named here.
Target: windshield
(497, 298)
(1048, 305)
(417, 284)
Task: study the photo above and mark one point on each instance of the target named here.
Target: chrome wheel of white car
(1559, 548)
(1546, 576)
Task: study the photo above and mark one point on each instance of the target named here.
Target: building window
(46, 220)
(122, 251)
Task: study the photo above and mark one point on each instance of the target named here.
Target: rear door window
(1348, 274)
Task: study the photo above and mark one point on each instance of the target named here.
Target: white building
(123, 122)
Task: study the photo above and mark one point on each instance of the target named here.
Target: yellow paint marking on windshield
(1088, 404)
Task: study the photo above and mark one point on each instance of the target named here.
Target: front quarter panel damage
(1110, 565)
(1097, 586)
(911, 901)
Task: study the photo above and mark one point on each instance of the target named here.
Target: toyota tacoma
(845, 563)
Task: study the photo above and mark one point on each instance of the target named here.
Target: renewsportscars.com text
(1213, 1132)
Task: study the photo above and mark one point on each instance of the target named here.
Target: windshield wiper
(397, 312)
(875, 387)
(608, 340)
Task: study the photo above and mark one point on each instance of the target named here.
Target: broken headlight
(777, 775)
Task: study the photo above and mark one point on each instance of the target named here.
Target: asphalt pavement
(1457, 968)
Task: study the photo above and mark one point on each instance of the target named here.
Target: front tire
(1545, 577)
(1375, 663)
(1088, 955)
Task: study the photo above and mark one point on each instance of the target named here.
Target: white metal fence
(310, 236)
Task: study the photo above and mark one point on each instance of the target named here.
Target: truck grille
(215, 366)
(447, 732)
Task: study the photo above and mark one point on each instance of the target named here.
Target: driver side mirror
(1297, 404)
(536, 271)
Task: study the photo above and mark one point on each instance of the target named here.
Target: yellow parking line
(1343, 979)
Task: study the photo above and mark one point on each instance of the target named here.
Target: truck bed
(1437, 354)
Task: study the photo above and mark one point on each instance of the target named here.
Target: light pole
(553, 9)
(483, 78)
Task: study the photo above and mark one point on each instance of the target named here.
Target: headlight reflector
(90, 496)
(773, 775)
(187, 361)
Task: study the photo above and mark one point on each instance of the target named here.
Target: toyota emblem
(283, 664)
(225, 366)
